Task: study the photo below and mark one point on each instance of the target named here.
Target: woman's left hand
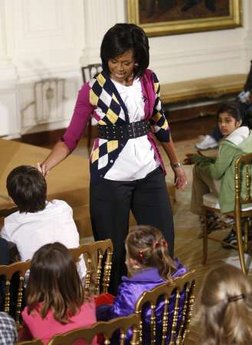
(180, 178)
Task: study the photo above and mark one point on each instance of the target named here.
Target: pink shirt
(48, 327)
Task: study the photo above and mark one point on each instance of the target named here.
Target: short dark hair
(121, 38)
(232, 108)
(27, 188)
(54, 281)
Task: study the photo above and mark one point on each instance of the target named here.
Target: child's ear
(133, 263)
(238, 123)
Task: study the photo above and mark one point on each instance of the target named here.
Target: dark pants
(110, 205)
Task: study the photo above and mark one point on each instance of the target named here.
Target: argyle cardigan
(100, 96)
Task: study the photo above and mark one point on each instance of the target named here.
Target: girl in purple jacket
(149, 265)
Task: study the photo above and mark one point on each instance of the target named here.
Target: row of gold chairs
(178, 300)
(98, 259)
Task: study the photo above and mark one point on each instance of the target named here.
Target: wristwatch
(176, 165)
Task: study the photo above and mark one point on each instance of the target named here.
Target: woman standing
(126, 168)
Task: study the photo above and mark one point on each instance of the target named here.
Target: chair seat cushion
(210, 200)
(247, 207)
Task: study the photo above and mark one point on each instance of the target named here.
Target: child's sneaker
(207, 143)
(230, 241)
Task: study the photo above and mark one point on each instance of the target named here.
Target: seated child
(55, 295)
(148, 264)
(8, 330)
(244, 102)
(225, 301)
(216, 175)
(37, 221)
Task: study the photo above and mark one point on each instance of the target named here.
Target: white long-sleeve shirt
(29, 231)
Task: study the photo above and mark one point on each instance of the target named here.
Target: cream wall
(52, 38)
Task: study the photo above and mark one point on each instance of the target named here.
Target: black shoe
(230, 241)
(214, 222)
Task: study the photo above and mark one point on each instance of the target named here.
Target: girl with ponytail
(149, 265)
(225, 307)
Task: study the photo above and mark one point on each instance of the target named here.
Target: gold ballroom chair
(13, 276)
(88, 72)
(98, 259)
(104, 328)
(242, 213)
(181, 291)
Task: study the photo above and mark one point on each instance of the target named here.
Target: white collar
(238, 135)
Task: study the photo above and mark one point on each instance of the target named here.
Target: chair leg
(241, 243)
(205, 239)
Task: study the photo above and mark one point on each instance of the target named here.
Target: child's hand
(191, 158)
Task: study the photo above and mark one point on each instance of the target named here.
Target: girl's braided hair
(147, 245)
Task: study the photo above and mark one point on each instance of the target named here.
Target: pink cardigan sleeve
(82, 112)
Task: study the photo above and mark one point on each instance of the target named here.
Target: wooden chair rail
(211, 87)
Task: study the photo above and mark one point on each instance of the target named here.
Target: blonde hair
(225, 302)
(147, 245)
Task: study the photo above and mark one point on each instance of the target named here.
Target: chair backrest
(30, 342)
(103, 329)
(243, 208)
(98, 259)
(165, 311)
(243, 182)
(90, 71)
(12, 288)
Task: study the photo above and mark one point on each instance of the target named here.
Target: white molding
(53, 38)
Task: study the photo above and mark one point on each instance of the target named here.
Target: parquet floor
(188, 247)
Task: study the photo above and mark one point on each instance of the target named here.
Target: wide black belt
(124, 132)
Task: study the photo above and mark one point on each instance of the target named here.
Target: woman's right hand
(59, 152)
(42, 168)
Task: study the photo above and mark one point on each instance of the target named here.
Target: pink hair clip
(157, 244)
(141, 254)
(164, 244)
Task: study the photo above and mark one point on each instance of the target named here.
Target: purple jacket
(132, 288)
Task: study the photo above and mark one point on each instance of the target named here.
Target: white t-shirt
(29, 231)
(136, 160)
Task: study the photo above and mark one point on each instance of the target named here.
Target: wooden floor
(188, 247)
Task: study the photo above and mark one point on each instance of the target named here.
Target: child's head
(226, 306)
(122, 38)
(147, 247)
(229, 118)
(27, 188)
(54, 281)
